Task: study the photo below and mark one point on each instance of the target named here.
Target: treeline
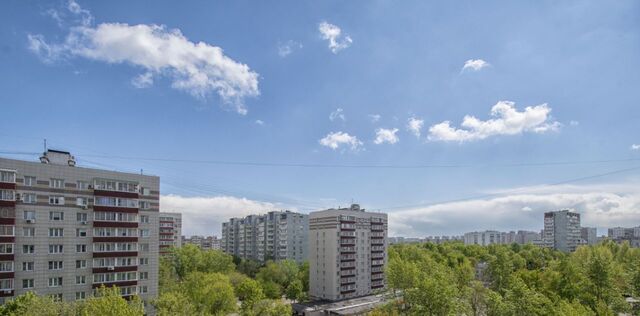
(196, 282)
(502, 280)
(191, 282)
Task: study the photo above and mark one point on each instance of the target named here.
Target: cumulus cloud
(475, 64)
(386, 136)
(337, 114)
(635, 147)
(333, 34)
(198, 68)
(285, 49)
(599, 206)
(205, 215)
(374, 117)
(260, 122)
(414, 125)
(335, 140)
(144, 80)
(508, 121)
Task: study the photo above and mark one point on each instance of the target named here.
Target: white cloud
(374, 117)
(335, 140)
(205, 215)
(333, 34)
(285, 49)
(414, 125)
(260, 122)
(337, 114)
(508, 121)
(599, 206)
(475, 64)
(635, 147)
(144, 80)
(386, 136)
(197, 68)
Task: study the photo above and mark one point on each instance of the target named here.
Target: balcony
(347, 234)
(349, 280)
(377, 269)
(347, 257)
(377, 276)
(377, 262)
(347, 249)
(348, 273)
(346, 265)
(377, 284)
(347, 226)
(377, 248)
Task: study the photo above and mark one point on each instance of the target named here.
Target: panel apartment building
(562, 230)
(170, 231)
(66, 230)
(347, 253)
(277, 235)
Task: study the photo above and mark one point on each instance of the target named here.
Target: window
(144, 247)
(82, 201)
(81, 232)
(7, 176)
(56, 183)
(27, 283)
(6, 248)
(56, 216)
(80, 295)
(142, 289)
(6, 266)
(144, 205)
(7, 195)
(6, 212)
(81, 264)
(83, 185)
(144, 276)
(53, 249)
(28, 266)
(28, 231)
(81, 217)
(55, 282)
(28, 249)
(56, 200)
(56, 232)
(81, 248)
(81, 279)
(6, 284)
(144, 219)
(143, 261)
(6, 230)
(56, 297)
(29, 198)
(29, 181)
(29, 215)
(55, 265)
(144, 233)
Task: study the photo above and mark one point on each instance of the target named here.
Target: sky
(450, 117)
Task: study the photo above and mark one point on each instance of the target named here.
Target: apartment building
(67, 230)
(589, 235)
(562, 230)
(488, 237)
(203, 242)
(277, 235)
(347, 253)
(170, 231)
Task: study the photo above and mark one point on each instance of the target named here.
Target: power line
(354, 166)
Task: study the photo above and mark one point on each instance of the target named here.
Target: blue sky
(268, 96)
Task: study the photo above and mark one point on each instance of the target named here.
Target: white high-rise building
(277, 235)
(347, 253)
(67, 230)
(170, 231)
(562, 230)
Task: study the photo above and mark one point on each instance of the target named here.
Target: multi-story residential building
(589, 235)
(484, 238)
(170, 231)
(622, 234)
(67, 230)
(562, 230)
(277, 235)
(524, 237)
(204, 243)
(347, 253)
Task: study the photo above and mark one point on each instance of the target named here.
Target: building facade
(204, 243)
(67, 230)
(562, 230)
(277, 235)
(589, 235)
(347, 253)
(170, 231)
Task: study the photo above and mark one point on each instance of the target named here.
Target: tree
(250, 293)
(294, 290)
(30, 304)
(435, 294)
(272, 308)
(174, 303)
(210, 292)
(109, 302)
